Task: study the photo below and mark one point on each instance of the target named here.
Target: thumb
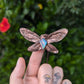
(18, 72)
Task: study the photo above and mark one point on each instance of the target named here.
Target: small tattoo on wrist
(57, 76)
(47, 78)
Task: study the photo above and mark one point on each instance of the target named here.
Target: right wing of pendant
(57, 35)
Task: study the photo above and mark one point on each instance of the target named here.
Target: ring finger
(57, 75)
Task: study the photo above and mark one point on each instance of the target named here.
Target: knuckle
(12, 75)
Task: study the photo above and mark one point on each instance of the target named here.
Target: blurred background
(43, 16)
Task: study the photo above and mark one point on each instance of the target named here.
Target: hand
(36, 74)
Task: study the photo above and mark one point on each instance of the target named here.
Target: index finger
(34, 63)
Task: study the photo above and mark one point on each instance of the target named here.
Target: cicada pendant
(43, 41)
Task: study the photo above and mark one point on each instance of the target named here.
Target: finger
(45, 74)
(18, 72)
(34, 63)
(66, 81)
(57, 75)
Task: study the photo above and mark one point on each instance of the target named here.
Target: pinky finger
(66, 81)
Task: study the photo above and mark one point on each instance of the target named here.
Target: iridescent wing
(35, 47)
(51, 48)
(29, 35)
(57, 35)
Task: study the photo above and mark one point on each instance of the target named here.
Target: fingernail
(18, 62)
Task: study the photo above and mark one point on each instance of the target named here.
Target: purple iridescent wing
(51, 48)
(57, 35)
(29, 35)
(35, 47)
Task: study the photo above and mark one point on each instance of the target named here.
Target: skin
(36, 74)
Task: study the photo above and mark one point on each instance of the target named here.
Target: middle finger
(45, 74)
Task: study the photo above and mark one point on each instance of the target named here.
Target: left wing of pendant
(51, 48)
(35, 47)
(29, 35)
